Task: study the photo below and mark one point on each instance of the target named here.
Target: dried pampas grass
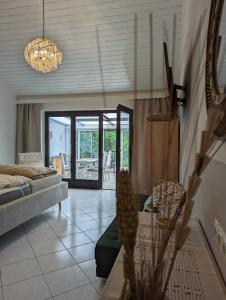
(127, 218)
(149, 279)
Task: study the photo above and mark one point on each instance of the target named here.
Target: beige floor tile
(86, 292)
(75, 240)
(59, 220)
(73, 211)
(36, 224)
(89, 268)
(66, 230)
(99, 214)
(31, 289)
(15, 248)
(92, 209)
(63, 280)
(8, 256)
(83, 253)
(80, 218)
(41, 236)
(55, 261)
(95, 234)
(19, 271)
(99, 284)
(104, 222)
(13, 239)
(84, 226)
(47, 247)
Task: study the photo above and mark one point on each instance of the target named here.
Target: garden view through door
(88, 144)
(81, 146)
(59, 145)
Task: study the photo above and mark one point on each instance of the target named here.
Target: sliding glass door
(81, 146)
(88, 154)
(124, 139)
(73, 144)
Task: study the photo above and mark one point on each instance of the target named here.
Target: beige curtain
(28, 128)
(155, 146)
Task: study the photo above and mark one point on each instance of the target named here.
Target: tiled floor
(52, 255)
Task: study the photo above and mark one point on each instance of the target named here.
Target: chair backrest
(108, 159)
(64, 158)
(58, 164)
(104, 158)
(31, 159)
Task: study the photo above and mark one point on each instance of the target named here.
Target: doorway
(82, 146)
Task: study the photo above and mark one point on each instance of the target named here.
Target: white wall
(194, 117)
(210, 199)
(7, 125)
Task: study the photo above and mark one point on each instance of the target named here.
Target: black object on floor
(109, 244)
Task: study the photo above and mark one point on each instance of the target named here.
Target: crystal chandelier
(41, 53)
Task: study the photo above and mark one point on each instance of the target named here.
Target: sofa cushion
(27, 171)
(10, 194)
(43, 183)
(9, 181)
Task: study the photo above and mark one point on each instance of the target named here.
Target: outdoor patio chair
(107, 166)
(60, 166)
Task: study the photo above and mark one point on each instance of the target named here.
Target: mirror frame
(214, 98)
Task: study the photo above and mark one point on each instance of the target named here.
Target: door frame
(73, 182)
(84, 183)
(121, 108)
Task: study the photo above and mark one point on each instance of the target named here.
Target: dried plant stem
(127, 217)
(169, 273)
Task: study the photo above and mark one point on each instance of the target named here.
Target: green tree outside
(89, 144)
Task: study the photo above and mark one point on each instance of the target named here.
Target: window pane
(109, 150)
(60, 145)
(124, 140)
(87, 148)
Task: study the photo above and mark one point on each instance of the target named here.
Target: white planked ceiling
(72, 25)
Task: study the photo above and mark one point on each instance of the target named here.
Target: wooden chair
(58, 164)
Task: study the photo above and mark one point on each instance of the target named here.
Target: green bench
(108, 246)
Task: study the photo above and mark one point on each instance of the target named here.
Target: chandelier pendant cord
(41, 53)
(43, 19)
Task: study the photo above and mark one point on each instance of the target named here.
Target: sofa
(109, 244)
(19, 204)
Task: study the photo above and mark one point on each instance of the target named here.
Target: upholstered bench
(108, 246)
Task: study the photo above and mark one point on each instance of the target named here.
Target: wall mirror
(216, 61)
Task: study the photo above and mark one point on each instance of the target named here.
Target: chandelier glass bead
(43, 55)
